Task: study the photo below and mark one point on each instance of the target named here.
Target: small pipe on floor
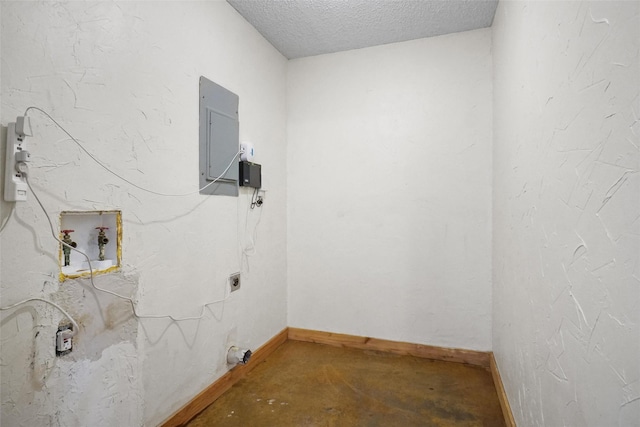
(238, 356)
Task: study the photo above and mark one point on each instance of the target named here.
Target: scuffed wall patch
(104, 319)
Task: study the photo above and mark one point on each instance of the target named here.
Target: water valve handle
(67, 240)
(68, 244)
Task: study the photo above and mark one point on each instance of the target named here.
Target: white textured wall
(566, 211)
(123, 78)
(389, 185)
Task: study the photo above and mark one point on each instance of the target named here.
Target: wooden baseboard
(502, 395)
(224, 383)
(471, 357)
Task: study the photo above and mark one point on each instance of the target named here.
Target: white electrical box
(15, 181)
(64, 341)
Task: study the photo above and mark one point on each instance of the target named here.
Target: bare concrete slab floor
(306, 384)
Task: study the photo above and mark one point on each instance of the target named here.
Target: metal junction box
(250, 175)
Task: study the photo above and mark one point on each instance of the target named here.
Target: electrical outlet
(64, 340)
(234, 282)
(15, 182)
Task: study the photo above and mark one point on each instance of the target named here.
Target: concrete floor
(306, 384)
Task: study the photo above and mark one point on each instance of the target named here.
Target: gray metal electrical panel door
(219, 145)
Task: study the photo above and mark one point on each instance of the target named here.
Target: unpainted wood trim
(224, 383)
(471, 357)
(502, 395)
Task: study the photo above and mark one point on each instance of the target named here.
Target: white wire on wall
(91, 271)
(6, 220)
(115, 294)
(250, 249)
(105, 167)
(73, 322)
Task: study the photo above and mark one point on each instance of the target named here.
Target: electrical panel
(219, 132)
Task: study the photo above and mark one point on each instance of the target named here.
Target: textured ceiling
(300, 28)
